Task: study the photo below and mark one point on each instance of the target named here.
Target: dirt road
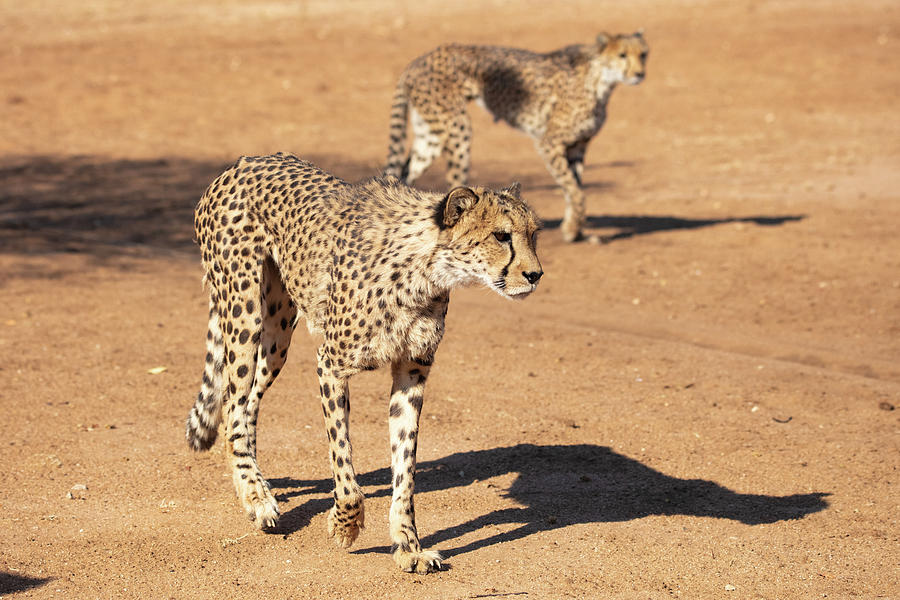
(702, 407)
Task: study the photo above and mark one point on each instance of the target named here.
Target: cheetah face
(624, 58)
(490, 239)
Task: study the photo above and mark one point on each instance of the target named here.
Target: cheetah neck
(600, 81)
(603, 91)
(404, 240)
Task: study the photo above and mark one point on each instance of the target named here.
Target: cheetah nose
(533, 276)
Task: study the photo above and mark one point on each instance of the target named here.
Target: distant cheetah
(558, 98)
(370, 266)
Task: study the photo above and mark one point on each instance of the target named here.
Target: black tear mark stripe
(512, 257)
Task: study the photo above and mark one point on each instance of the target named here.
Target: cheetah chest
(387, 326)
(584, 124)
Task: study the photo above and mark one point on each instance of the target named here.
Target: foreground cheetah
(370, 267)
(558, 98)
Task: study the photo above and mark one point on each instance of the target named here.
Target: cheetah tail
(206, 414)
(396, 161)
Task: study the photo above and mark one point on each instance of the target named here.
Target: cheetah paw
(345, 528)
(264, 514)
(422, 562)
(261, 506)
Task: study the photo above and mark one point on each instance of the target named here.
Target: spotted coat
(559, 99)
(370, 268)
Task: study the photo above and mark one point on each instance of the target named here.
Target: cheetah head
(623, 57)
(488, 237)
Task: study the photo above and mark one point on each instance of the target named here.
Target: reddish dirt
(702, 407)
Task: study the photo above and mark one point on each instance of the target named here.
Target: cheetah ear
(514, 190)
(639, 33)
(603, 39)
(459, 200)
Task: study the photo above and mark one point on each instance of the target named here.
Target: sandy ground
(702, 407)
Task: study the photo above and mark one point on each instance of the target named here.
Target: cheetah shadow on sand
(633, 225)
(106, 208)
(559, 486)
(629, 226)
(11, 583)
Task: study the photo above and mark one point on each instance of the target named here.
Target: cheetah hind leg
(278, 317)
(245, 310)
(427, 144)
(457, 150)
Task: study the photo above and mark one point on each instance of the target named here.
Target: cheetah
(558, 99)
(370, 267)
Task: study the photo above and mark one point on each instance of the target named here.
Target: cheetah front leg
(407, 396)
(575, 157)
(347, 516)
(554, 155)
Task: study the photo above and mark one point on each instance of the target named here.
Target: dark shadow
(105, 208)
(11, 583)
(630, 226)
(559, 486)
(504, 92)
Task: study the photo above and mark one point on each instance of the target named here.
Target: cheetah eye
(622, 55)
(643, 56)
(502, 236)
